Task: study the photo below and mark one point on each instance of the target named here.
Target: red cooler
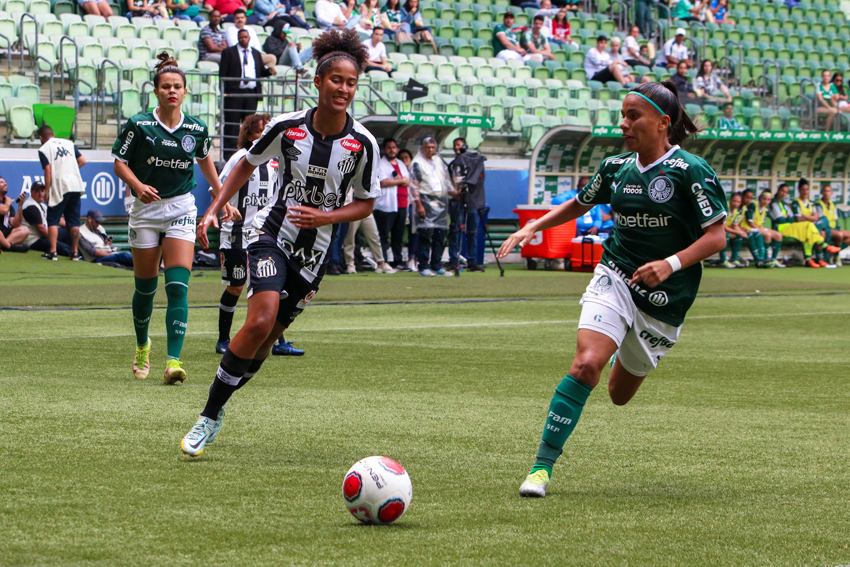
(552, 243)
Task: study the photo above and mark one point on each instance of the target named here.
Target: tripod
(461, 232)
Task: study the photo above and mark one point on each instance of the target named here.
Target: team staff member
(635, 305)
(828, 221)
(154, 156)
(322, 151)
(61, 161)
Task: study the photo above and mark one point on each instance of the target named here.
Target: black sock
(280, 339)
(252, 370)
(230, 373)
(226, 307)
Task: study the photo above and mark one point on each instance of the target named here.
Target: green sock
(761, 249)
(564, 411)
(736, 248)
(143, 307)
(774, 249)
(753, 247)
(723, 252)
(177, 313)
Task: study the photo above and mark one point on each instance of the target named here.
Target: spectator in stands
(840, 96)
(686, 11)
(146, 9)
(32, 215)
(600, 67)
(329, 15)
(268, 11)
(378, 53)
(370, 17)
(240, 21)
(391, 207)
(413, 16)
(227, 8)
(506, 44)
(534, 42)
(643, 16)
(287, 52)
(631, 49)
(431, 188)
(96, 245)
(241, 61)
(708, 87)
(211, 42)
(572, 5)
(728, 120)
(561, 33)
(719, 10)
(10, 237)
(827, 104)
(184, 10)
(96, 8)
(61, 161)
(392, 20)
(674, 50)
(683, 83)
(548, 12)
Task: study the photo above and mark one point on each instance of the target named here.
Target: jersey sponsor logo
(702, 200)
(61, 152)
(678, 162)
(593, 188)
(316, 171)
(309, 259)
(197, 127)
(615, 186)
(658, 298)
(351, 145)
(619, 161)
(654, 341)
(169, 143)
(633, 190)
(266, 268)
(146, 123)
(151, 140)
(206, 146)
(346, 165)
(103, 188)
(627, 279)
(642, 220)
(712, 180)
(603, 283)
(306, 301)
(297, 190)
(169, 163)
(560, 419)
(127, 141)
(188, 143)
(660, 189)
(188, 220)
(295, 134)
(255, 201)
(291, 153)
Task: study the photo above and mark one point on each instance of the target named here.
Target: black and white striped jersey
(252, 197)
(314, 172)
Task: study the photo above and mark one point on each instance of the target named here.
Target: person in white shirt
(377, 53)
(548, 12)
(32, 215)
(329, 15)
(96, 245)
(391, 207)
(631, 49)
(675, 50)
(61, 161)
(599, 65)
(231, 36)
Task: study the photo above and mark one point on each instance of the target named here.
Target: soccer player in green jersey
(155, 156)
(668, 218)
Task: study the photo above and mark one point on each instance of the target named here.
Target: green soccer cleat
(729, 265)
(141, 361)
(217, 426)
(174, 372)
(194, 442)
(535, 484)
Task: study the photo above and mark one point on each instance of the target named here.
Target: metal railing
(8, 51)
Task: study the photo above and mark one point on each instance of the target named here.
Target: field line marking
(447, 326)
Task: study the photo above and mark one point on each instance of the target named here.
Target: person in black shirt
(683, 84)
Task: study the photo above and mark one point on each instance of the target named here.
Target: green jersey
(511, 35)
(659, 210)
(160, 157)
(729, 124)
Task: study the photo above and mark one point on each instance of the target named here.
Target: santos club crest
(660, 189)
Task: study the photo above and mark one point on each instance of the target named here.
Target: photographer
(391, 207)
(467, 171)
(10, 237)
(32, 215)
(96, 245)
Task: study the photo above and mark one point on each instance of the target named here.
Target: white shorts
(168, 218)
(608, 308)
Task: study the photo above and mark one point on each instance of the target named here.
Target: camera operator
(467, 171)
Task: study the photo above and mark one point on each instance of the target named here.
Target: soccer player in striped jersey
(322, 152)
(668, 218)
(155, 156)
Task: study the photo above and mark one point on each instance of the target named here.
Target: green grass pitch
(735, 452)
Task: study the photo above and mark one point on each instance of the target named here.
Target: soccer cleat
(822, 263)
(76, 257)
(174, 372)
(50, 256)
(833, 249)
(221, 346)
(741, 263)
(216, 425)
(194, 442)
(427, 273)
(777, 264)
(535, 484)
(286, 349)
(812, 264)
(613, 359)
(729, 265)
(142, 361)
(442, 272)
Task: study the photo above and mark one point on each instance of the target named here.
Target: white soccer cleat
(194, 442)
(535, 484)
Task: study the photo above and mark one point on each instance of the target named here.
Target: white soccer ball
(377, 490)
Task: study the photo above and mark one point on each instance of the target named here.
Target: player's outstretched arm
(712, 241)
(308, 217)
(237, 178)
(565, 212)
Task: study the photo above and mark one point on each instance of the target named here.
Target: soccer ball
(377, 490)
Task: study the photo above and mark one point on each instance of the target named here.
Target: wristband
(674, 262)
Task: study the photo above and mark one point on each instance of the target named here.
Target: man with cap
(96, 245)
(728, 120)
(675, 50)
(599, 65)
(506, 43)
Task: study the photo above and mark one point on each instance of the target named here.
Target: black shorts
(234, 266)
(6, 230)
(270, 270)
(604, 76)
(69, 207)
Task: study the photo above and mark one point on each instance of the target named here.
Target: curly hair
(167, 64)
(334, 44)
(249, 126)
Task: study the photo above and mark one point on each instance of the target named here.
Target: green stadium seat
(60, 118)
(21, 121)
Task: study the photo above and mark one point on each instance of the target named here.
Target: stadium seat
(21, 121)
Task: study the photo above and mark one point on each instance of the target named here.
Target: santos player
(155, 156)
(322, 152)
(669, 211)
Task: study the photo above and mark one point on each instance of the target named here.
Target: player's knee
(235, 290)
(587, 369)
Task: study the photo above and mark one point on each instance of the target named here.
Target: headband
(650, 101)
(338, 56)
